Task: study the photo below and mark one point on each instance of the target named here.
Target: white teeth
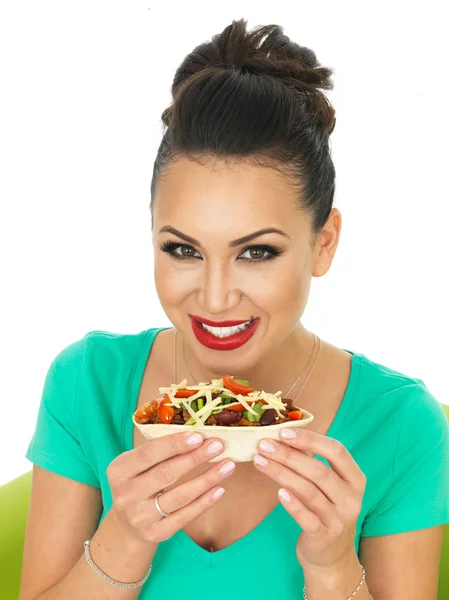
(223, 332)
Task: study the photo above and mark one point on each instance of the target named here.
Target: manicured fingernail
(218, 493)
(288, 433)
(214, 448)
(260, 460)
(194, 439)
(284, 495)
(227, 467)
(267, 446)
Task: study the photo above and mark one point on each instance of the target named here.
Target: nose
(218, 294)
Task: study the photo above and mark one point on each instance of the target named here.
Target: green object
(245, 381)
(255, 418)
(395, 428)
(193, 405)
(14, 507)
(226, 399)
(191, 421)
(200, 403)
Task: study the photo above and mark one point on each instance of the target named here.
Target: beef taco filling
(222, 402)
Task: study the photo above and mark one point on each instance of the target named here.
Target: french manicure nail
(227, 467)
(260, 460)
(267, 446)
(194, 439)
(218, 493)
(214, 447)
(284, 495)
(288, 433)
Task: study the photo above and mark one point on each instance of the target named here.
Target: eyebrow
(238, 242)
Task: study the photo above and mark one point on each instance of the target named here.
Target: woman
(242, 218)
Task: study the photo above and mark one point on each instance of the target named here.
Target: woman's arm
(63, 514)
(338, 583)
(403, 566)
(116, 555)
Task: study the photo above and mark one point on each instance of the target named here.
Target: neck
(278, 370)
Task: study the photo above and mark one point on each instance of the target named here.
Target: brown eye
(256, 252)
(180, 251)
(187, 251)
(259, 254)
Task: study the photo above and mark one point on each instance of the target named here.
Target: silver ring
(159, 509)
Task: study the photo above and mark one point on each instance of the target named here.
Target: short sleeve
(55, 443)
(418, 495)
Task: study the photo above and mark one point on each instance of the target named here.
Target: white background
(83, 88)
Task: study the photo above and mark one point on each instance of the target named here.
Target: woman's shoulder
(386, 379)
(395, 395)
(100, 350)
(380, 373)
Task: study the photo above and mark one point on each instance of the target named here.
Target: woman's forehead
(185, 172)
(260, 196)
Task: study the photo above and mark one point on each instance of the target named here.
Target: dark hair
(237, 98)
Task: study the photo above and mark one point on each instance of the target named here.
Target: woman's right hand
(138, 475)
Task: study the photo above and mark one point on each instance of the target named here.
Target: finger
(312, 469)
(185, 493)
(306, 491)
(331, 449)
(167, 472)
(306, 519)
(166, 527)
(136, 461)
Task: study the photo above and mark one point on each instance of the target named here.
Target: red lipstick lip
(227, 343)
(218, 323)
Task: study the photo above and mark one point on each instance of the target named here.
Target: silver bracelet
(106, 577)
(353, 593)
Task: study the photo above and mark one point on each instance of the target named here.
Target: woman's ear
(326, 244)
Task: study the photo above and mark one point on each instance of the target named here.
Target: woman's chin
(226, 363)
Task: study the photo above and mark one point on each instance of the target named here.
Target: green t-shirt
(394, 428)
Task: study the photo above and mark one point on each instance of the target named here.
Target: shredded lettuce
(226, 399)
(255, 418)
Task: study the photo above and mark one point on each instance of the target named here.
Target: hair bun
(266, 51)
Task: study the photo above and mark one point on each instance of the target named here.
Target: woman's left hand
(325, 502)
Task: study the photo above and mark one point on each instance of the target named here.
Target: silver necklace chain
(284, 395)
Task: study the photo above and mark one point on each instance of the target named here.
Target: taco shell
(240, 442)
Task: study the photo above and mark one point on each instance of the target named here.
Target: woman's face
(203, 269)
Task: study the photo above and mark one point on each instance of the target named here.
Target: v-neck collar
(213, 558)
(216, 557)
